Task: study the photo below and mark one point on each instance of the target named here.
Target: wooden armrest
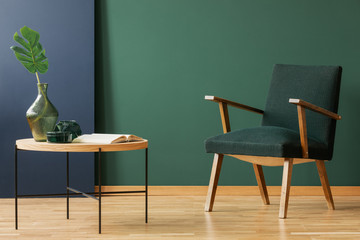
(234, 104)
(314, 108)
(301, 106)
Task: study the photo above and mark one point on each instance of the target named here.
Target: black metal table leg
(67, 185)
(146, 185)
(16, 190)
(99, 176)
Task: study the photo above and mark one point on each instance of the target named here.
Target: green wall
(157, 59)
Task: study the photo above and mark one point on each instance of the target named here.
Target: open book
(106, 138)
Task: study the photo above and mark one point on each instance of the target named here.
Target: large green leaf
(32, 56)
(37, 49)
(41, 58)
(23, 58)
(42, 67)
(20, 40)
(21, 51)
(30, 35)
(29, 66)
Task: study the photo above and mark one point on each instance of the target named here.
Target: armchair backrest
(319, 85)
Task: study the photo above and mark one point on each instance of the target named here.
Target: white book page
(101, 138)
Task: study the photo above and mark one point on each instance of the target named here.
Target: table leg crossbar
(82, 193)
(73, 192)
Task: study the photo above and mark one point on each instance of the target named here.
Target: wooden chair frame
(259, 161)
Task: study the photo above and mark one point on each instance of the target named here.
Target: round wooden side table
(30, 144)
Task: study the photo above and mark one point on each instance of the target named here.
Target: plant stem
(37, 77)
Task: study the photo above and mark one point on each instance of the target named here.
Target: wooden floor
(176, 217)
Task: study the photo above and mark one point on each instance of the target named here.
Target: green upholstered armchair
(286, 136)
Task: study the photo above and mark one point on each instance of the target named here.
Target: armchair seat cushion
(266, 141)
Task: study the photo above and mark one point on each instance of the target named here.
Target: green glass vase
(42, 115)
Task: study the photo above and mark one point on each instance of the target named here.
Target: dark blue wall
(66, 30)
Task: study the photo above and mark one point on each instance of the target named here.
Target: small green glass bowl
(59, 137)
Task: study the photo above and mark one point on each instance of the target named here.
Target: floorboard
(182, 217)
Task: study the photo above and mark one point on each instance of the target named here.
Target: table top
(31, 145)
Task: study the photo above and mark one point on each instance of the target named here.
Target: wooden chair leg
(261, 183)
(325, 183)
(214, 178)
(285, 187)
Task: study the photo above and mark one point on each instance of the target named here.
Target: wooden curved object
(31, 145)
